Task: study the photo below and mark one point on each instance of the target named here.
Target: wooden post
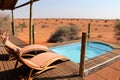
(33, 34)
(30, 25)
(88, 30)
(82, 56)
(13, 30)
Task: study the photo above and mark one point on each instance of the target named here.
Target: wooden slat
(64, 71)
(2, 73)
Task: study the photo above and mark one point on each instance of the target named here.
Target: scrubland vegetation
(65, 33)
(60, 30)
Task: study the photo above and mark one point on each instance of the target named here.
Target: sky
(90, 9)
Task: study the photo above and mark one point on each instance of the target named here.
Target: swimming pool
(72, 51)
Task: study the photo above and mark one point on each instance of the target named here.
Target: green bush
(22, 25)
(117, 30)
(65, 33)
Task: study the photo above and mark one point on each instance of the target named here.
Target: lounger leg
(29, 75)
(47, 68)
(15, 69)
(10, 57)
(16, 64)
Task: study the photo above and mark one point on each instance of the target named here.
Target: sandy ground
(100, 29)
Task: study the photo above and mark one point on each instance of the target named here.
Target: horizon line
(72, 18)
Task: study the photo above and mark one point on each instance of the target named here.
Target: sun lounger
(40, 62)
(29, 50)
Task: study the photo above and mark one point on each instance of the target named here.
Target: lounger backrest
(11, 46)
(4, 37)
(12, 49)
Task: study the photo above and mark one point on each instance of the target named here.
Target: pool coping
(99, 62)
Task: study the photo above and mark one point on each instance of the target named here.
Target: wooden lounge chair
(39, 63)
(29, 50)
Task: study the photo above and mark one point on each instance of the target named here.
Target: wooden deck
(64, 70)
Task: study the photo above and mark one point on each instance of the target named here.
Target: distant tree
(117, 30)
(22, 25)
(56, 20)
(106, 25)
(44, 25)
(105, 21)
(5, 22)
(72, 24)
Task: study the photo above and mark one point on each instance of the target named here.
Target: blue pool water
(72, 51)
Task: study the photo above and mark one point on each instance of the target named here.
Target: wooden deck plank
(8, 65)
(64, 70)
(70, 71)
(5, 68)
(2, 74)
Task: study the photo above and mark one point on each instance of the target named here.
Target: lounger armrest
(34, 47)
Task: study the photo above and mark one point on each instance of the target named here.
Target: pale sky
(90, 9)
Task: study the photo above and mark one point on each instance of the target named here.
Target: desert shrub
(46, 19)
(96, 21)
(72, 24)
(99, 36)
(22, 25)
(61, 22)
(106, 25)
(117, 30)
(105, 21)
(5, 22)
(91, 20)
(65, 33)
(74, 32)
(96, 28)
(43, 26)
(56, 20)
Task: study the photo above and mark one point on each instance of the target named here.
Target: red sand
(100, 29)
